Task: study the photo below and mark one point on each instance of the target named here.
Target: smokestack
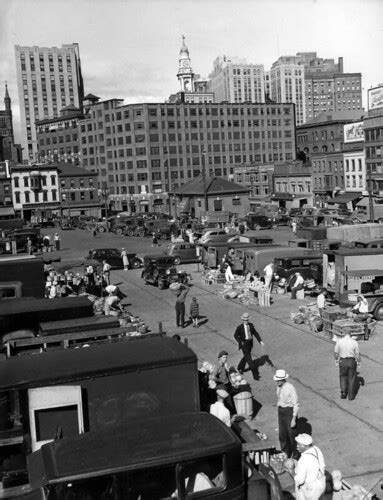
(340, 64)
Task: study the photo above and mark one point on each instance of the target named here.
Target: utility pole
(204, 180)
(370, 198)
(166, 163)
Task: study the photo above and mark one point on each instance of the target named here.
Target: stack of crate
(329, 316)
(356, 329)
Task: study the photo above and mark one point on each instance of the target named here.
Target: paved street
(348, 432)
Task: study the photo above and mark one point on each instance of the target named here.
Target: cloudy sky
(129, 48)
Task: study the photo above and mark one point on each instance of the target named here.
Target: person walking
(288, 406)
(90, 275)
(57, 241)
(347, 357)
(309, 478)
(244, 334)
(154, 239)
(125, 260)
(94, 232)
(106, 271)
(29, 246)
(294, 226)
(194, 312)
(182, 291)
(321, 301)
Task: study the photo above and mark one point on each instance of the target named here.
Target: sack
(299, 319)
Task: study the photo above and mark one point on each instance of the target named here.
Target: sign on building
(353, 132)
(375, 98)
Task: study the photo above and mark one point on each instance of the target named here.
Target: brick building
(6, 205)
(79, 194)
(373, 130)
(58, 139)
(293, 185)
(257, 178)
(144, 151)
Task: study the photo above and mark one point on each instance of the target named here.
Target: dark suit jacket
(240, 337)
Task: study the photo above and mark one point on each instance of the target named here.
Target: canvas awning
(345, 198)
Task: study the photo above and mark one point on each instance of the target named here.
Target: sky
(129, 48)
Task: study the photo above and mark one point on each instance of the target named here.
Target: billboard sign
(375, 98)
(353, 132)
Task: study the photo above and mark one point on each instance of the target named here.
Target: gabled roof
(214, 186)
(90, 97)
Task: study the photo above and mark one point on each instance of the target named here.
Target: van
(286, 266)
(257, 259)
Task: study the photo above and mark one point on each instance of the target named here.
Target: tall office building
(235, 80)
(327, 88)
(287, 84)
(48, 80)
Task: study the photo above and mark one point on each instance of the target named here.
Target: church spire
(185, 73)
(7, 99)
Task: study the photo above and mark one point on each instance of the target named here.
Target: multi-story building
(35, 190)
(193, 88)
(79, 193)
(58, 139)
(235, 80)
(143, 151)
(257, 178)
(6, 207)
(354, 164)
(322, 142)
(48, 80)
(373, 130)
(293, 184)
(8, 149)
(287, 84)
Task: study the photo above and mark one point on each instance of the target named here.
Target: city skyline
(130, 49)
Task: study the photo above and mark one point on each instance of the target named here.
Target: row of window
(57, 139)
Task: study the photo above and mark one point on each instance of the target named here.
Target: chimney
(340, 64)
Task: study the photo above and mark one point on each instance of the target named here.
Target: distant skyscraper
(287, 84)
(235, 80)
(8, 149)
(48, 80)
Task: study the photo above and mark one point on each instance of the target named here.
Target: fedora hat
(245, 316)
(280, 375)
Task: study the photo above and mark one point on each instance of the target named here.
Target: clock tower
(185, 73)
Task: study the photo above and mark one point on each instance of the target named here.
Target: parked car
(113, 257)
(286, 266)
(183, 252)
(131, 227)
(258, 222)
(162, 227)
(216, 235)
(160, 270)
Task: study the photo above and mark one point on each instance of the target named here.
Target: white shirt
(111, 289)
(268, 270)
(106, 267)
(321, 300)
(362, 307)
(228, 274)
(299, 281)
(247, 331)
(220, 411)
(309, 466)
(346, 347)
(288, 397)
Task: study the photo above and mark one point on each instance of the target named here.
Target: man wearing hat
(347, 357)
(310, 479)
(244, 334)
(219, 410)
(287, 411)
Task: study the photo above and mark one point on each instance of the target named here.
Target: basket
(277, 462)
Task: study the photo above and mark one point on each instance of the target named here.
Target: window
(217, 205)
(26, 181)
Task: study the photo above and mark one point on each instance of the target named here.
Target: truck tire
(101, 229)
(378, 312)
(177, 261)
(274, 227)
(119, 231)
(130, 232)
(141, 233)
(257, 227)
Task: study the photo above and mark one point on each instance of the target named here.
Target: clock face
(185, 64)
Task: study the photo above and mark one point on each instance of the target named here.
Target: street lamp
(204, 180)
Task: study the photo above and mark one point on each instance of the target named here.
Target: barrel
(4, 411)
(243, 402)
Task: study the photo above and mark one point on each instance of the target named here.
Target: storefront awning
(158, 201)
(346, 197)
(5, 211)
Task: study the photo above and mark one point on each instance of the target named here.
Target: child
(154, 239)
(194, 312)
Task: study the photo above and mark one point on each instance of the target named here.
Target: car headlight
(168, 271)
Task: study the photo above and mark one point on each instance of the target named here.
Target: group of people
(181, 292)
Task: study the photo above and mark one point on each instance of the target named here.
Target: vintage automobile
(160, 270)
(309, 266)
(257, 222)
(113, 257)
(183, 252)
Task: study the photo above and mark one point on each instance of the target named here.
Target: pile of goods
(309, 315)
(244, 291)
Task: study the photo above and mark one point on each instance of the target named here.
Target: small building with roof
(212, 194)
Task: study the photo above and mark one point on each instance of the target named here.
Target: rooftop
(214, 186)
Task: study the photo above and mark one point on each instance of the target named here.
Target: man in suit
(244, 334)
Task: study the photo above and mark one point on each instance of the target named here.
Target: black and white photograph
(191, 249)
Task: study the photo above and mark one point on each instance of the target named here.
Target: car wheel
(119, 231)
(274, 226)
(177, 261)
(136, 263)
(101, 229)
(141, 234)
(257, 227)
(130, 232)
(378, 312)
